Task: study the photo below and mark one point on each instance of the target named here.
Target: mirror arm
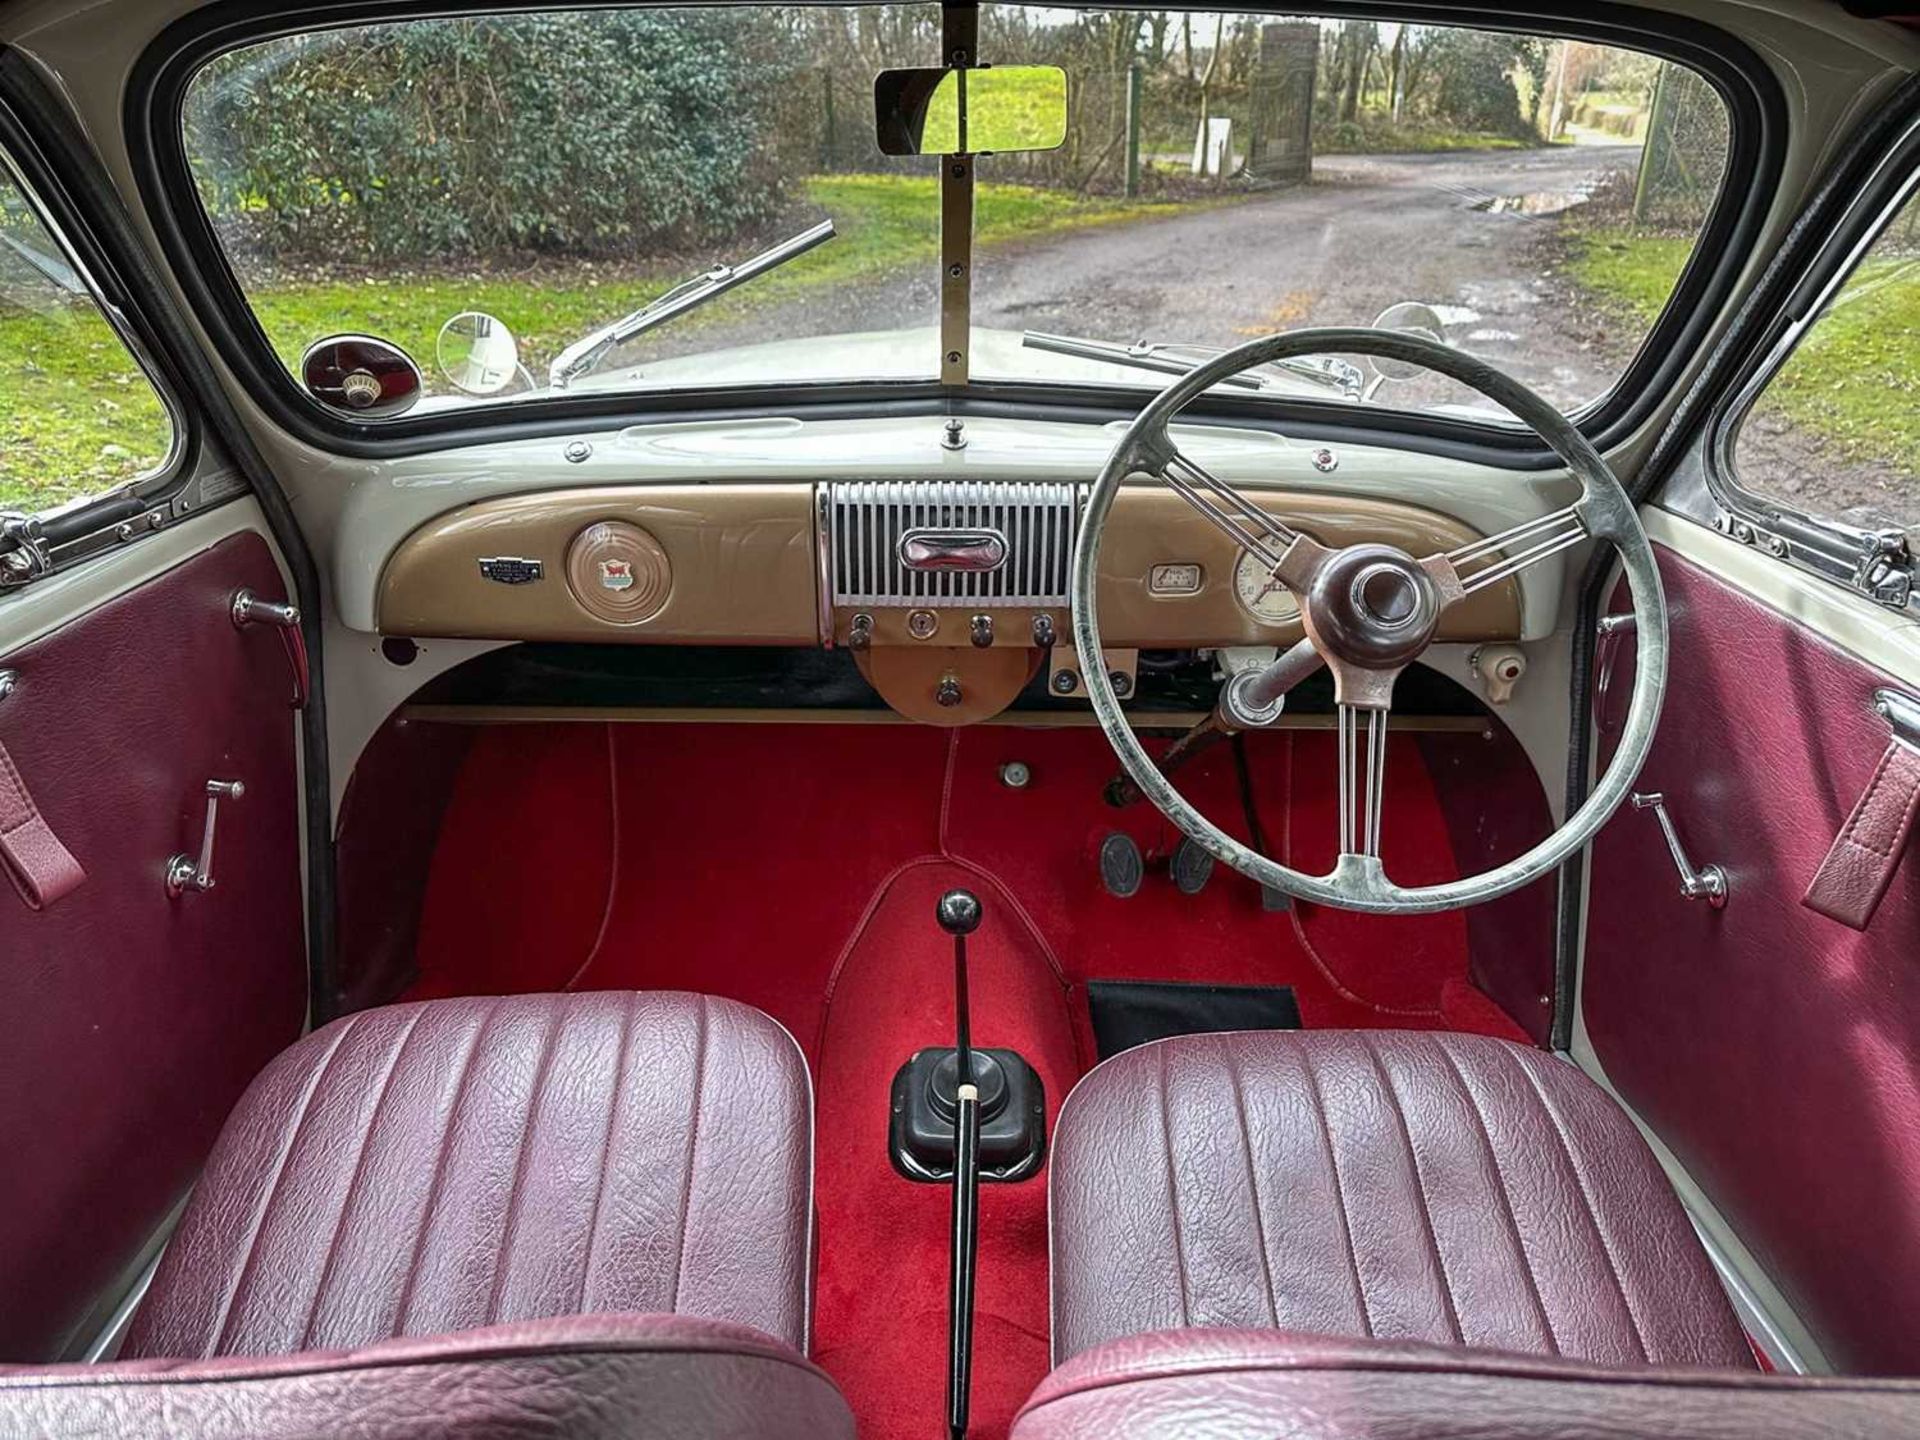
(581, 357)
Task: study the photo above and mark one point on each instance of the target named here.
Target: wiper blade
(1333, 373)
(581, 357)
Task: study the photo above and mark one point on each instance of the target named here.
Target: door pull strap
(41, 868)
(1858, 869)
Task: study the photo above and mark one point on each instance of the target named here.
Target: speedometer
(1262, 596)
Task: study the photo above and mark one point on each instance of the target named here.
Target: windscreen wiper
(1333, 373)
(584, 355)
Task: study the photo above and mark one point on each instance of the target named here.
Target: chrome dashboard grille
(867, 519)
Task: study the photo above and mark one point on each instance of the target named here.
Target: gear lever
(959, 915)
(960, 1117)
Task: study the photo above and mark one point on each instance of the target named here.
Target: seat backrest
(599, 1377)
(1256, 1384)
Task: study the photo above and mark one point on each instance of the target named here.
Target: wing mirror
(972, 110)
(361, 375)
(1416, 319)
(477, 353)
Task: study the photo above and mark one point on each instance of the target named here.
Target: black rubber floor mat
(1132, 1012)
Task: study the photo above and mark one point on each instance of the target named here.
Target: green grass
(1854, 383)
(1375, 136)
(76, 412)
(77, 419)
(1855, 380)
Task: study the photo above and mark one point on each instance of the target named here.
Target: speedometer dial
(1262, 596)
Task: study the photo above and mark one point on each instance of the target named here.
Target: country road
(1455, 230)
(1369, 231)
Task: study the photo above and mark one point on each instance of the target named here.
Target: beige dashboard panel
(1151, 526)
(740, 560)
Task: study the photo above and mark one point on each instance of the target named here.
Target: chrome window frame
(1873, 563)
(161, 480)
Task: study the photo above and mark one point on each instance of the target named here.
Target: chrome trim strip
(823, 576)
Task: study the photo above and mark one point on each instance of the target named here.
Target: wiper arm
(1333, 373)
(584, 355)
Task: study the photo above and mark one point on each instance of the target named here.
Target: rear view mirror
(992, 109)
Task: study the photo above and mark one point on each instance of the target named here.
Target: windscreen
(1528, 198)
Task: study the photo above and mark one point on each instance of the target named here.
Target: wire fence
(1684, 156)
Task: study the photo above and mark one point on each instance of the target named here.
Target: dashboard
(945, 573)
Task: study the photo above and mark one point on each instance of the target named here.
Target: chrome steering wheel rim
(1359, 881)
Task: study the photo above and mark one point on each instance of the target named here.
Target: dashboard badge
(1177, 579)
(616, 575)
(511, 569)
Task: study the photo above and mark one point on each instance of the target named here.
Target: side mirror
(477, 353)
(1416, 319)
(362, 376)
(975, 110)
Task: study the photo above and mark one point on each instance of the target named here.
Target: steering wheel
(1369, 611)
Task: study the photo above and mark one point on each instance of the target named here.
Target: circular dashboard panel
(1262, 596)
(618, 572)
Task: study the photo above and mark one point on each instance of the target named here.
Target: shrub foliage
(588, 133)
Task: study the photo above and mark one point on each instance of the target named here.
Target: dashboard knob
(947, 692)
(980, 631)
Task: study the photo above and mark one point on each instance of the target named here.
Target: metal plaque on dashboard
(511, 569)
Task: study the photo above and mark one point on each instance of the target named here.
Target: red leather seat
(434, 1167)
(640, 1160)
(1397, 1186)
(1256, 1385)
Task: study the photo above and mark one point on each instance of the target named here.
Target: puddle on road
(1536, 202)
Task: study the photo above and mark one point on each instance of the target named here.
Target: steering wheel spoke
(1362, 733)
(1480, 563)
(1248, 525)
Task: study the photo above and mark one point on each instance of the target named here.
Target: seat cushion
(597, 1377)
(1257, 1385)
(1405, 1186)
(426, 1168)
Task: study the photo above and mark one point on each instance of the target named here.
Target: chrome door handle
(184, 873)
(1709, 882)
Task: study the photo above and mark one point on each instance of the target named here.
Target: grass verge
(1854, 383)
(78, 416)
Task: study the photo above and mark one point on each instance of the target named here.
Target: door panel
(1775, 1051)
(130, 1022)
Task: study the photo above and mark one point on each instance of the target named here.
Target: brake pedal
(1191, 867)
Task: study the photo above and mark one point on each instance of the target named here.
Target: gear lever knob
(958, 912)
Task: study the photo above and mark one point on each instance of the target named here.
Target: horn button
(1372, 606)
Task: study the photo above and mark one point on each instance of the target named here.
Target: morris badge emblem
(616, 574)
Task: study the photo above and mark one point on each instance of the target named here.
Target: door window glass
(1836, 433)
(77, 413)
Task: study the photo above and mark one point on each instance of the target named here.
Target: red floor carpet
(796, 869)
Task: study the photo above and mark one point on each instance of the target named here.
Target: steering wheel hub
(1371, 606)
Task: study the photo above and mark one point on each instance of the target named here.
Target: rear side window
(1836, 432)
(78, 414)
